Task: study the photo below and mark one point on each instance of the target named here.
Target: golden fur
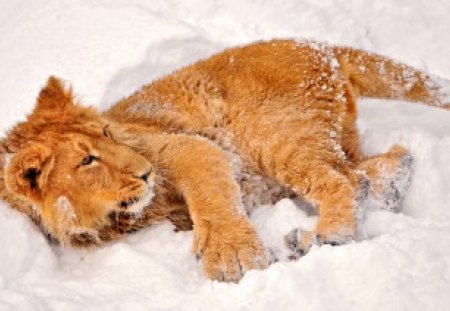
(251, 123)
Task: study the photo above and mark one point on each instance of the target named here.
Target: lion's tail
(373, 75)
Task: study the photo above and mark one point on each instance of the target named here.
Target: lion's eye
(105, 131)
(88, 160)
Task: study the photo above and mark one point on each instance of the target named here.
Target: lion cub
(243, 127)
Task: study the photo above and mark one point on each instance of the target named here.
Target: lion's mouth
(124, 221)
(136, 205)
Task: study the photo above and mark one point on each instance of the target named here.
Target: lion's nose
(146, 175)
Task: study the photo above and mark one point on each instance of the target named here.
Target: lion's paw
(228, 251)
(397, 186)
(390, 176)
(300, 241)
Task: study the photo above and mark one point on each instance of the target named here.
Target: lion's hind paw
(300, 241)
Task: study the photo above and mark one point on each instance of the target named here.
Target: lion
(205, 144)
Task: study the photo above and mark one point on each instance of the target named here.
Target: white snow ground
(108, 48)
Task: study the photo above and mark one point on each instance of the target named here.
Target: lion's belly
(256, 188)
(259, 190)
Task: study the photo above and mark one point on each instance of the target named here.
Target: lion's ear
(28, 170)
(54, 96)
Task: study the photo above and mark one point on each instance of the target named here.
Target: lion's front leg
(223, 235)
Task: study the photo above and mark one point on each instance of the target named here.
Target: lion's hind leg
(390, 176)
(341, 209)
(382, 180)
(336, 190)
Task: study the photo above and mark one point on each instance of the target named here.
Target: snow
(106, 49)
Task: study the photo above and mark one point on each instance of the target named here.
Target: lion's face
(76, 176)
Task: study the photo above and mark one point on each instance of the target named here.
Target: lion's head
(77, 179)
